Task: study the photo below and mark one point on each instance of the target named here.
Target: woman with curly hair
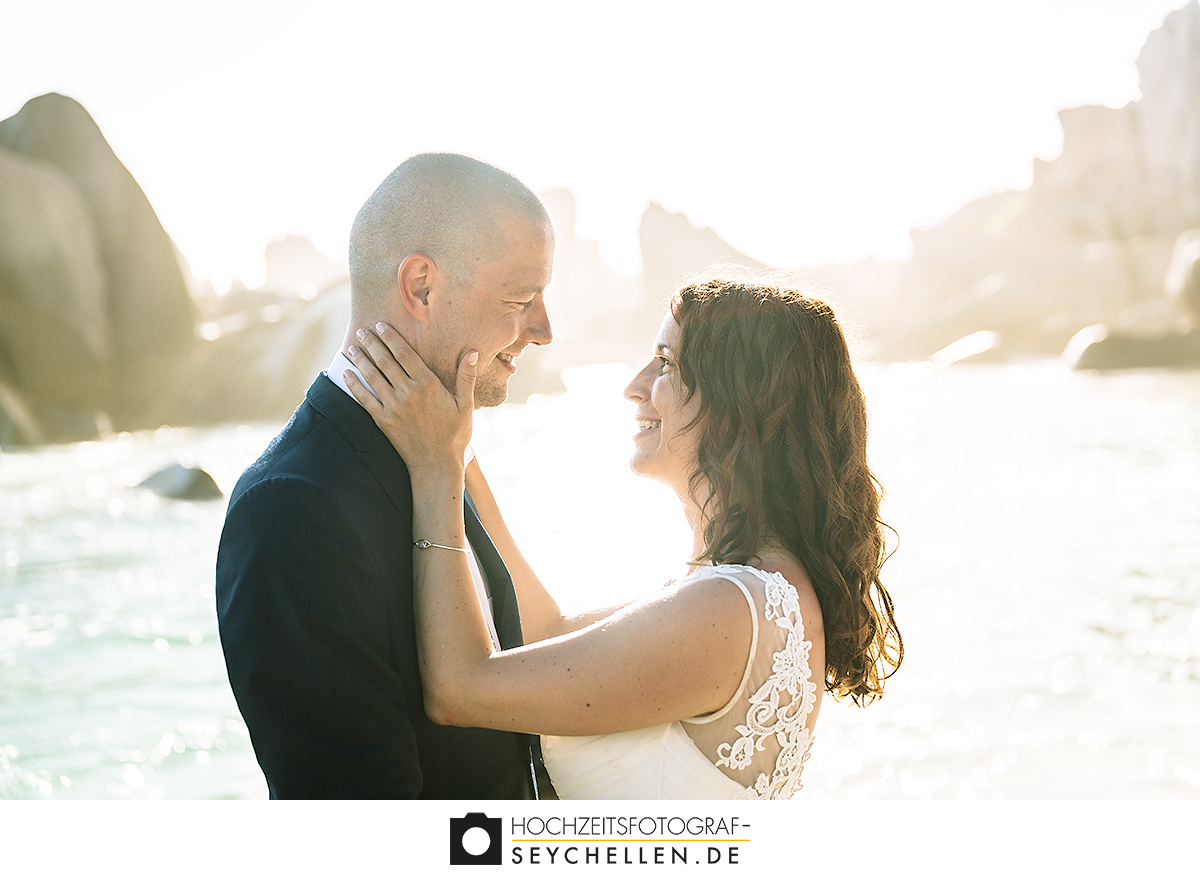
(750, 411)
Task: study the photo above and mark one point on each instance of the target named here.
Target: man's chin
(490, 394)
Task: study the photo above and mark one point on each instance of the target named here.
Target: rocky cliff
(1089, 243)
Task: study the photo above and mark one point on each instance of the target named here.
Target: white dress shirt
(337, 367)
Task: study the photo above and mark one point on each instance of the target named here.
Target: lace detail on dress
(782, 704)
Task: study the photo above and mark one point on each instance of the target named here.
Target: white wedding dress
(752, 748)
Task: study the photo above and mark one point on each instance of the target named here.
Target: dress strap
(712, 717)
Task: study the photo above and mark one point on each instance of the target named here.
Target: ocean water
(1046, 580)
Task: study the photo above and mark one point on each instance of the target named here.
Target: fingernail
(473, 358)
(379, 327)
(353, 350)
(348, 375)
(361, 334)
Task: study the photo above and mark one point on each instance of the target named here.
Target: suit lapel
(374, 450)
(495, 573)
(377, 454)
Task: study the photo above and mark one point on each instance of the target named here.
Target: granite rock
(105, 319)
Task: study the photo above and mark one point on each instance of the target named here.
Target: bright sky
(803, 131)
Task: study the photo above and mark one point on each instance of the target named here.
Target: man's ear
(416, 277)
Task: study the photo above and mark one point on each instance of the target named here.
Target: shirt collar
(339, 365)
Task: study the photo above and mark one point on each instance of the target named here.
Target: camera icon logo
(475, 840)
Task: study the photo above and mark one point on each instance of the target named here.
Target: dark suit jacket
(315, 604)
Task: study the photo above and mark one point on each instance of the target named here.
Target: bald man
(314, 570)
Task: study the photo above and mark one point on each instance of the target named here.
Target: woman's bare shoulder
(781, 570)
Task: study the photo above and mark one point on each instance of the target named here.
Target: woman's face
(662, 449)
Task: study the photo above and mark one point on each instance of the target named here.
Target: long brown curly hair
(782, 459)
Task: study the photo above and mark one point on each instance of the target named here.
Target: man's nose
(537, 326)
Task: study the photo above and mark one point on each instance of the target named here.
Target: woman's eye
(665, 363)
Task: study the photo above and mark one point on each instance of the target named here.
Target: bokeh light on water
(111, 677)
(1047, 583)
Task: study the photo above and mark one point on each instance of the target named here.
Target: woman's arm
(541, 617)
(676, 654)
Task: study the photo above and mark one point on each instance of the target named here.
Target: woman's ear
(416, 277)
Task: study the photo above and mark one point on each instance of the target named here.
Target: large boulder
(182, 482)
(55, 344)
(1103, 348)
(139, 316)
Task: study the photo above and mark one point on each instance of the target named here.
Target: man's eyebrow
(529, 289)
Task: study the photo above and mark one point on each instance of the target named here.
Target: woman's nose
(638, 388)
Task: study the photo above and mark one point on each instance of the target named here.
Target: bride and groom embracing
(385, 637)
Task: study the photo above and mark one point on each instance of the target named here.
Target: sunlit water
(1047, 583)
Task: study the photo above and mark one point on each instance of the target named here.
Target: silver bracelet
(423, 545)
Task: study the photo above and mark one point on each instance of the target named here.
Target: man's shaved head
(443, 205)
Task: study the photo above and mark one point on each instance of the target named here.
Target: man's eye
(665, 363)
